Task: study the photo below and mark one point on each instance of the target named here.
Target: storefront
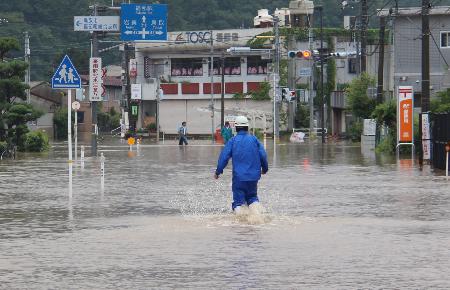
(181, 68)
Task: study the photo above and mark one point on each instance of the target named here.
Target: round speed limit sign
(76, 105)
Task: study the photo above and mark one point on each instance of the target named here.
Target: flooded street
(336, 219)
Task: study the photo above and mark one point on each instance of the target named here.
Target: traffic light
(306, 54)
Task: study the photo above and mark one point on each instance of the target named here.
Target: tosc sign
(194, 37)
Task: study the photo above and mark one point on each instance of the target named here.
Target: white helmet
(241, 121)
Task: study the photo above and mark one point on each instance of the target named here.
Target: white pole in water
(446, 164)
(102, 165)
(70, 180)
(69, 123)
(75, 127)
(447, 150)
(82, 156)
(102, 172)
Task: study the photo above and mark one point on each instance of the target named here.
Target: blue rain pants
(244, 192)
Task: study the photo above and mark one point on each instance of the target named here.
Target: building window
(232, 66)
(352, 65)
(80, 117)
(187, 67)
(445, 39)
(256, 65)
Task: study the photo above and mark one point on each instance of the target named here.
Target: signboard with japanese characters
(95, 79)
(136, 92)
(96, 23)
(143, 22)
(405, 114)
(133, 67)
(426, 137)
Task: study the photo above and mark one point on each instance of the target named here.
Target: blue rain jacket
(249, 157)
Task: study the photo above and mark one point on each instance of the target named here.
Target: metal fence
(441, 135)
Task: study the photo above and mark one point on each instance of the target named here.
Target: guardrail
(114, 130)
(316, 131)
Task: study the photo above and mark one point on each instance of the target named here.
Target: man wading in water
(249, 161)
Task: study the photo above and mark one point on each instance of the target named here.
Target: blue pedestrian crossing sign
(66, 76)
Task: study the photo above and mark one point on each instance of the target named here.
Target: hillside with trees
(50, 23)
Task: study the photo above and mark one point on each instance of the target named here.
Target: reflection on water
(335, 217)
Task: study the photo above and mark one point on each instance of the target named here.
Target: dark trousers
(183, 139)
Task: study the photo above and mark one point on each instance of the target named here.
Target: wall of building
(187, 92)
(198, 115)
(408, 52)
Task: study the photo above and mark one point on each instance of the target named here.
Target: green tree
(262, 93)
(386, 114)
(60, 122)
(359, 103)
(14, 114)
(441, 104)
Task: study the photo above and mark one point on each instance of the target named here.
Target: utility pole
(425, 55)
(381, 61)
(158, 101)
(364, 24)
(425, 70)
(211, 70)
(311, 84)
(27, 60)
(125, 101)
(322, 92)
(94, 53)
(380, 85)
(222, 96)
(291, 83)
(276, 88)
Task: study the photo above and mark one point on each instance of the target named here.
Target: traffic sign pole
(69, 123)
(76, 107)
(75, 127)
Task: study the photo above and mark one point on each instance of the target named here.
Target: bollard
(82, 154)
(446, 165)
(447, 150)
(138, 142)
(131, 142)
(102, 173)
(70, 180)
(265, 140)
(102, 164)
(163, 137)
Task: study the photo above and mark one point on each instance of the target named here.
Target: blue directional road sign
(141, 22)
(66, 76)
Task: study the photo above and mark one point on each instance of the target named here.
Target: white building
(182, 67)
